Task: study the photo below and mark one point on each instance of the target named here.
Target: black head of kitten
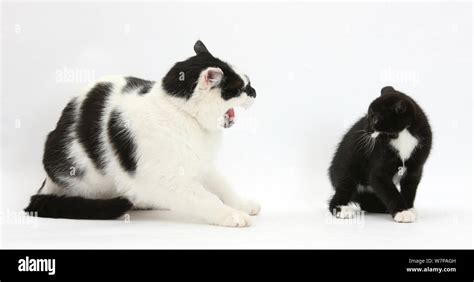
(391, 113)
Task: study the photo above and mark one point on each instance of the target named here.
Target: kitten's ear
(400, 107)
(199, 47)
(212, 77)
(387, 89)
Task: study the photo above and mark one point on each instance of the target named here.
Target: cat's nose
(252, 93)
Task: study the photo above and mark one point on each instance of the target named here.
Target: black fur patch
(133, 83)
(89, 125)
(181, 80)
(122, 142)
(369, 202)
(77, 207)
(57, 163)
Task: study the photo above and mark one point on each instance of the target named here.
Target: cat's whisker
(368, 143)
(361, 137)
(360, 141)
(372, 145)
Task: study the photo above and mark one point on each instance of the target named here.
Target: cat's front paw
(235, 218)
(346, 212)
(405, 216)
(249, 207)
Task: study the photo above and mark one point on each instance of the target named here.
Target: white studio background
(315, 66)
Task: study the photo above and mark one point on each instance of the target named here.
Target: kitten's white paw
(235, 218)
(405, 216)
(249, 207)
(346, 212)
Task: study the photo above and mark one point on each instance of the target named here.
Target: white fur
(397, 177)
(348, 211)
(404, 144)
(177, 142)
(375, 134)
(405, 216)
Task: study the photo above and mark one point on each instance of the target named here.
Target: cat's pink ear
(212, 77)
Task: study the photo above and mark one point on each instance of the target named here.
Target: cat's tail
(48, 205)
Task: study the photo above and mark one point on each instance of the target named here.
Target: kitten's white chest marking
(404, 144)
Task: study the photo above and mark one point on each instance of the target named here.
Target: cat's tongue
(229, 118)
(230, 114)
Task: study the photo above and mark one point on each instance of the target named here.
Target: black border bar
(136, 265)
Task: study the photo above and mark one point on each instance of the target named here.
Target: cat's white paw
(346, 212)
(405, 216)
(249, 207)
(235, 218)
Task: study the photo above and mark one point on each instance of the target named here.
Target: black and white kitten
(127, 142)
(379, 162)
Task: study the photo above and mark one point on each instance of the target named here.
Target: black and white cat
(382, 152)
(131, 143)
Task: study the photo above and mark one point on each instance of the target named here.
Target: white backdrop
(315, 66)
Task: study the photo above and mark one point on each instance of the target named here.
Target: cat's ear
(400, 107)
(212, 77)
(200, 48)
(387, 89)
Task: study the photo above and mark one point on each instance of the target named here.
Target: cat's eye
(375, 120)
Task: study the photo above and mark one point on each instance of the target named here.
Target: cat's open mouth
(229, 118)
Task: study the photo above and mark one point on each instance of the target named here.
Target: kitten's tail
(47, 205)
